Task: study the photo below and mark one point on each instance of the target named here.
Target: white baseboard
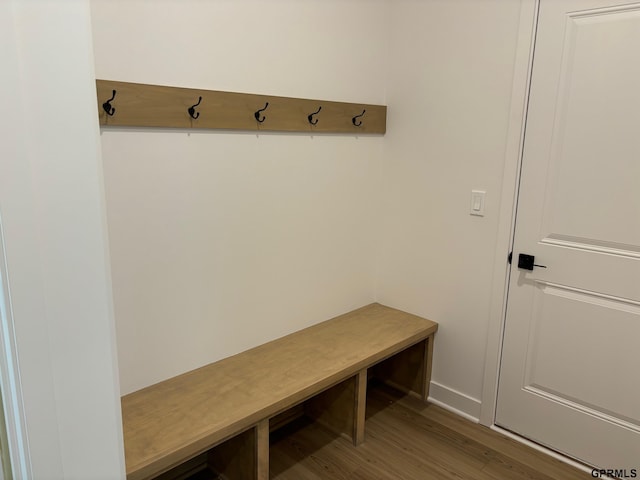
(454, 401)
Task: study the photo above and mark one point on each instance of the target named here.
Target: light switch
(477, 202)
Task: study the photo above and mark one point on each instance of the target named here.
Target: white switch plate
(477, 203)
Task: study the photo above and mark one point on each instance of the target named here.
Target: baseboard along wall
(454, 401)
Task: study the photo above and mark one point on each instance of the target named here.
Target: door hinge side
(510, 257)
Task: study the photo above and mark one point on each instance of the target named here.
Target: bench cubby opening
(408, 370)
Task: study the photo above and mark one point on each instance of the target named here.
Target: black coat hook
(310, 117)
(257, 114)
(107, 105)
(192, 109)
(357, 124)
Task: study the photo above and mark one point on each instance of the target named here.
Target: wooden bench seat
(229, 404)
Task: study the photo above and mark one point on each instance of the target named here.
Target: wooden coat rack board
(140, 105)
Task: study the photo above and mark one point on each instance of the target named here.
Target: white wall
(449, 89)
(222, 241)
(54, 237)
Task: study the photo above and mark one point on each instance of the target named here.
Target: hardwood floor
(406, 439)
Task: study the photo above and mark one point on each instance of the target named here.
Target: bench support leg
(262, 450)
(360, 407)
(428, 362)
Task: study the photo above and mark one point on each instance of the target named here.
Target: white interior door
(570, 372)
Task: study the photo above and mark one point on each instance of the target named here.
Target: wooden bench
(224, 411)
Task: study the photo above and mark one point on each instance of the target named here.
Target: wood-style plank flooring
(406, 439)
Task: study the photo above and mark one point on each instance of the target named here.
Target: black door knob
(526, 262)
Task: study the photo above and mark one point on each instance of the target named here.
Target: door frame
(508, 205)
(16, 462)
(56, 248)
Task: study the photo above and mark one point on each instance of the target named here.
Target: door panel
(558, 313)
(568, 375)
(592, 199)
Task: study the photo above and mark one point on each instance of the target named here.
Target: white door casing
(568, 377)
(56, 288)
